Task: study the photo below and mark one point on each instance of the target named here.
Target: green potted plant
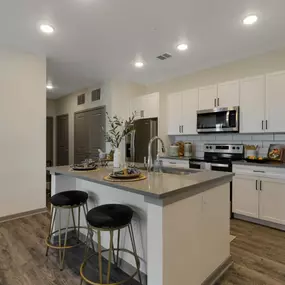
(118, 129)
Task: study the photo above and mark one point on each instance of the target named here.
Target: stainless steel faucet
(149, 160)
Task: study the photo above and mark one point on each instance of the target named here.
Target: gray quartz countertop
(157, 185)
(266, 164)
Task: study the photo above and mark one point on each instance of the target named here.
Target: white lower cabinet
(259, 196)
(245, 195)
(272, 200)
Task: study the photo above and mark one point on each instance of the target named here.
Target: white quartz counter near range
(181, 222)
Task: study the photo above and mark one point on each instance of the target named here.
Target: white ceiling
(96, 40)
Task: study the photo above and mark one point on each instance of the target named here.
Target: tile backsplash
(262, 140)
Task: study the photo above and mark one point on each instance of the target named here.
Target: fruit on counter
(251, 147)
(252, 157)
(127, 171)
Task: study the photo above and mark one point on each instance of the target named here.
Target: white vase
(117, 158)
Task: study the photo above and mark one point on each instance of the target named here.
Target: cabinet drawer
(175, 163)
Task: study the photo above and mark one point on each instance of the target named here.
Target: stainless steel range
(219, 157)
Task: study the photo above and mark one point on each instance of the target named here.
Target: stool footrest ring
(117, 283)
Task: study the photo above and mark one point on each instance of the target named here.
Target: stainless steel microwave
(218, 120)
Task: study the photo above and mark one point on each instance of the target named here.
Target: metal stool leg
(65, 240)
(110, 256)
(100, 256)
(135, 250)
(52, 221)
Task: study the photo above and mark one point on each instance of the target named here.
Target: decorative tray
(81, 167)
(125, 176)
(256, 160)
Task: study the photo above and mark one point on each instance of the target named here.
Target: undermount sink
(171, 170)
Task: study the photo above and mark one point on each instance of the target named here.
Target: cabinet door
(272, 201)
(150, 105)
(207, 97)
(245, 195)
(252, 105)
(190, 102)
(174, 103)
(275, 102)
(228, 94)
(136, 107)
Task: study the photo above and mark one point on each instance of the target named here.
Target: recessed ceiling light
(182, 47)
(49, 86)
(250, 20)
(47, 29)
(139, 64)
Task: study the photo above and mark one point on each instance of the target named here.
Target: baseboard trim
(22, 215)
(260, 222)
(219, 272)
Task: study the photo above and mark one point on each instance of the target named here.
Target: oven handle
(220, 165)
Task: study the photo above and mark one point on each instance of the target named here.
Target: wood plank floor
(258, 253)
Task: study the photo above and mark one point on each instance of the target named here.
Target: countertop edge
(201, 185)
(267, 164)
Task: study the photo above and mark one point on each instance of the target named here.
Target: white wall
(261, 64)
(51, 112)
(115, 95)
(23, 132)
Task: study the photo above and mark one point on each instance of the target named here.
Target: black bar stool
(65, 200)
(110, 218)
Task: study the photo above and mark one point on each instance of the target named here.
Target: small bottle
(157, 166)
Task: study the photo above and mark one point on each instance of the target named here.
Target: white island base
(182, 239)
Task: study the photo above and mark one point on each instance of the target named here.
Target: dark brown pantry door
(88, 134)
(62, 140)
(81, 136)
(49, 141)
(97, 119)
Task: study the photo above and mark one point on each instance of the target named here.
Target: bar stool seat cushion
(69, 198)
(110, 216)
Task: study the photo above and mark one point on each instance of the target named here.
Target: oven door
(220, 167)
(218, 120)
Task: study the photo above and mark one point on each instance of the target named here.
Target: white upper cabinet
(146, 106)
(190, 101)
(275, 102)
(174, 105)
(208, 97)
(228, 94)
(182, 112)
(252, 105)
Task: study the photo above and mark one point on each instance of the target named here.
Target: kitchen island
(181, 220)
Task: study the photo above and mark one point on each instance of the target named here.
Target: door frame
(52, 145)
(57, 117)
(83, 111)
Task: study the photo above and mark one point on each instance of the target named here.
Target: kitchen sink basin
(171, 170)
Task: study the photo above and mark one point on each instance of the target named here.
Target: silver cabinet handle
(179, 129)
(215, 102)
(262, 124)
(259, 171)
(256, 185)
(266, 125)
(218, 102)
(171, 162)
(260, 185)
(182, 129)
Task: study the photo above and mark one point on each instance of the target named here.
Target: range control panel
(224, 148)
